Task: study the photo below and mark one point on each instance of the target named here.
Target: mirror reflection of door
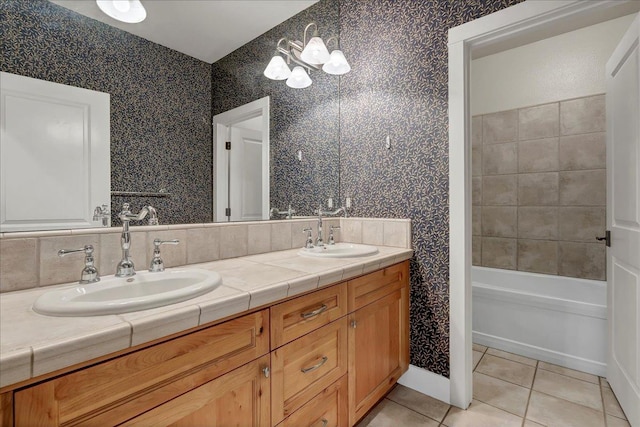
(245, 171)
(241, 163)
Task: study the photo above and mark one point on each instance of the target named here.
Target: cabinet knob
(354, 324)
(266, 371)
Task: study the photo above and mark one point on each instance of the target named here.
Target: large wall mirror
(163, 103)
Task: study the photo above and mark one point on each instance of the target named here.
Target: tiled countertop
(32, 344)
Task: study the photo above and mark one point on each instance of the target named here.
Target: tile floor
(508, 390)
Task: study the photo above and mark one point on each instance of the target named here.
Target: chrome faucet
(275, 212)
(89, 272)
(319, 241)
(125, 267)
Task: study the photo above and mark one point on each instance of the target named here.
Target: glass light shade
(129, 11)
(315, 52)
(299, 78)
(277, 69)
(337, 64)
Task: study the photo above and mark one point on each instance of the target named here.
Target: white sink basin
(115, 295)
(339, 250)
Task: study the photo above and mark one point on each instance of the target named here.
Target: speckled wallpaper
(160, 100)
(305, 120)
(398, 87)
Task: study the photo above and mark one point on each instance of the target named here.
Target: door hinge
(227, 145)
(606, 238)
(227, 212)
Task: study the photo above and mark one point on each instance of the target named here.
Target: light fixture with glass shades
(311, 55)
(129, 11)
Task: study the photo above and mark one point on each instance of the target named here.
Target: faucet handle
(89, 272)
(157, 264)
(309, 243)
(331, 239)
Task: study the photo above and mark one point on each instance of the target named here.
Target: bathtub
(555, 319)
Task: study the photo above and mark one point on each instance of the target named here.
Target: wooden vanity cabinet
(378, 336)
(322, 359)
(6, 409)
(117, 390)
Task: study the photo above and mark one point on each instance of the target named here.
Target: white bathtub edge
(545, 355)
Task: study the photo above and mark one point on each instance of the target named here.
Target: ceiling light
(299, 78)
(129, 11)
(313, 55)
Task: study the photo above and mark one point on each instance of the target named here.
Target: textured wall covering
(160, 100)
(398, 87)
(301, 119)
(539, 188)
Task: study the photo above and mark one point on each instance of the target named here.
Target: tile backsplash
(29, 260)
(539, 188)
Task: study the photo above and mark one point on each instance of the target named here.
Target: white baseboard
(426, 382)
(539, 353)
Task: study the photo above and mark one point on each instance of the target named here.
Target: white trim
(544, 354)
(221, 124)
(516, 21)
(426, 382)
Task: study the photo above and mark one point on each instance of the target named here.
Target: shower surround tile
(538, 122)
(583, 115)
(500, 159)
(500, 127)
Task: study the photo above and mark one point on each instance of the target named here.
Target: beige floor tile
(604, 382)
(511, 356)
(616, 422)
(478, 347)
(554, 412)
(568, 372)
(529, 423)
(477, 355)
(577, 391)
(501, 394)
(480, 415)
(419, 402)
(390, 414)
(506, 370)
(611, 405)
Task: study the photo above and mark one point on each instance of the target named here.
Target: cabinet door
(126, 386)
(6, 409)
(239, 398)
(378, 351)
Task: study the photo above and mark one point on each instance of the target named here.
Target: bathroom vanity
(320, 358)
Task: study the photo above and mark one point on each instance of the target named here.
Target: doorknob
(606, 238)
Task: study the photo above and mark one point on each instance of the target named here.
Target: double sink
(145, 290)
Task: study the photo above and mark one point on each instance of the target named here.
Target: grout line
(569, 376)
(413, 410)
(526, 409)
(604, 408)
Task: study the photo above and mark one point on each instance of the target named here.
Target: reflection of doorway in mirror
(241, 163)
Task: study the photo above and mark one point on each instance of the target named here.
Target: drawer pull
(316, 366)
(315, 312)
(266, 371)
(324, 421)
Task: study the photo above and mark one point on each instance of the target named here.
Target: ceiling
(205, 29)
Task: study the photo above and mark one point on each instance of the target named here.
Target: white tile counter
(32, 344)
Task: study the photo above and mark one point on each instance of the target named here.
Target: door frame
(221, 124)
(514, 26)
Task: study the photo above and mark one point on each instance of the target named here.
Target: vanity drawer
(327, 409)
(114, 391)
(299, 316)
(371, 287)
(306, 366)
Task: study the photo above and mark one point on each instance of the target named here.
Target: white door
(245, 178)
(623, 220)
